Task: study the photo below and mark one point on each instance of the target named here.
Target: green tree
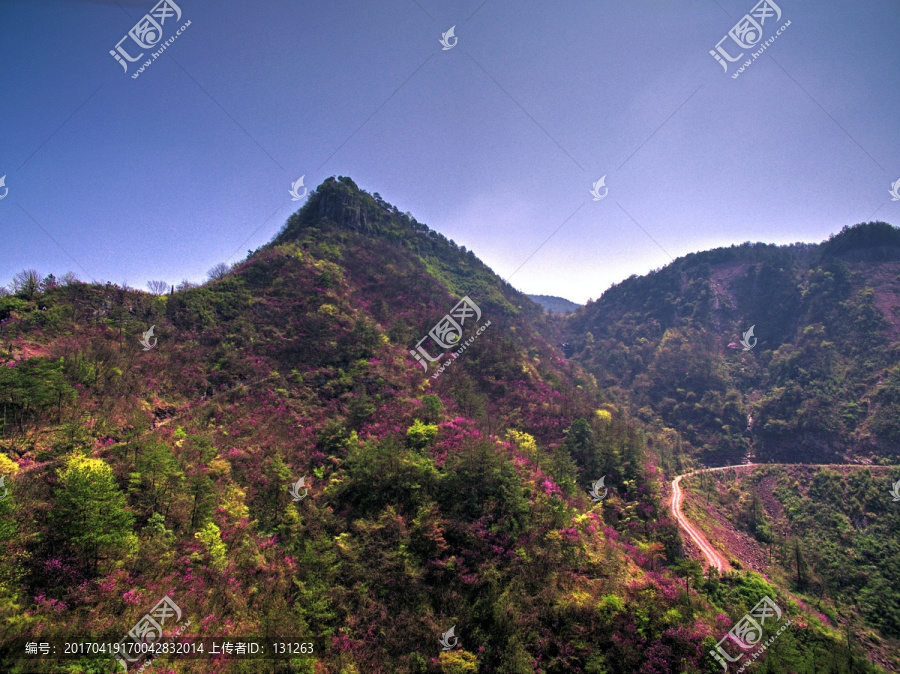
(30, 389)
(419, 435)
(582, 447)
(271, 495)
(156, 479)
(434, 408)
(692, 572)
(8, 524)
(90, 512)
(202, 492)
(211, 537)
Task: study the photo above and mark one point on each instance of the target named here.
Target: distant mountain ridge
(554, 305)
(821, 384)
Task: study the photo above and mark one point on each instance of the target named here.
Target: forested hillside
(145, 463)
(820, 381)
(828, 534)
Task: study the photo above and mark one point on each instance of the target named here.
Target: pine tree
(90, 512)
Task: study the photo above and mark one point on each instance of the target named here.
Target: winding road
(713, 558)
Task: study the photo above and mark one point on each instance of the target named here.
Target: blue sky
(495, 142)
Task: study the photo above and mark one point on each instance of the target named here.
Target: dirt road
(713, 558)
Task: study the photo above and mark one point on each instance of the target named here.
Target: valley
(278, 463)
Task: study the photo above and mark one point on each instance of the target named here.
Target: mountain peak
(340, 203)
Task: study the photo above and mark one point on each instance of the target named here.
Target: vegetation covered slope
(831, 535)
(821, 382)
(139, 471)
